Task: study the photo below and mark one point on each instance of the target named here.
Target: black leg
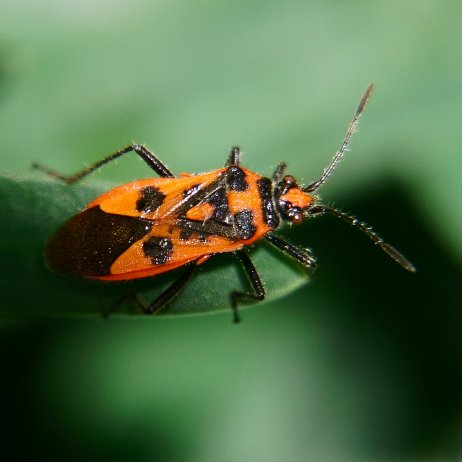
(303, 256)
(160, 302)
(143, 152)
(257, 285)
(168, 294)
(234, 157)
(279, 172)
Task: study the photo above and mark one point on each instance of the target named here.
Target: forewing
(189, 218)
(165, 247)
(159, 198)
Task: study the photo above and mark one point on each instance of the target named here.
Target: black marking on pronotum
(158, 249)
(270, 216)
(151, 198)
(235, 179)
(90, 242)
(243, 222)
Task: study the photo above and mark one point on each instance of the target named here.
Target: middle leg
(168, 294)
(255, 281)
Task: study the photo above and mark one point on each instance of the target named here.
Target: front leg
(303, 256)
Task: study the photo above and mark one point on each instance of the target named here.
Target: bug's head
(292, 201)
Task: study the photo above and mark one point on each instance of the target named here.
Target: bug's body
(152, 226)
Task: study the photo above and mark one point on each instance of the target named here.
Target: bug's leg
(160, 302)
(255, 281)
(168, 294)
(143, 152)
(234, 157)
(303, 256)
(279, 172)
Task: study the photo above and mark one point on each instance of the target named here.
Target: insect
(151, 226)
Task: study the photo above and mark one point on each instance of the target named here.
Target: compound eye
(295, 215)
(289, 180)
(297, 218)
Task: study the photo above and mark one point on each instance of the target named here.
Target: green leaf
(33, 207)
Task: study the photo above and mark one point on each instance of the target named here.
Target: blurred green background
(362, 363)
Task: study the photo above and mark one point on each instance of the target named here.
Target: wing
(159, 198)
(167, 246)
(189, 219)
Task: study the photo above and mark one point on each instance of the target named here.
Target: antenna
(367, 230)
(346, 141)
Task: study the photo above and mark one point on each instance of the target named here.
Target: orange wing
(181, 225)
(152, 226)
(164, 249)
(171, 194)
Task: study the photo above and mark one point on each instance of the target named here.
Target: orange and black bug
(152, 226)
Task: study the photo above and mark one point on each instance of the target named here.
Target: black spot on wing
(213, 194)
(195, 195)
(89, 243)
(151, 198)
(270, 215)
(221, 211)
(158, 249)
(243, 223)
(235, 179)
(185, 234)
(189, 234)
